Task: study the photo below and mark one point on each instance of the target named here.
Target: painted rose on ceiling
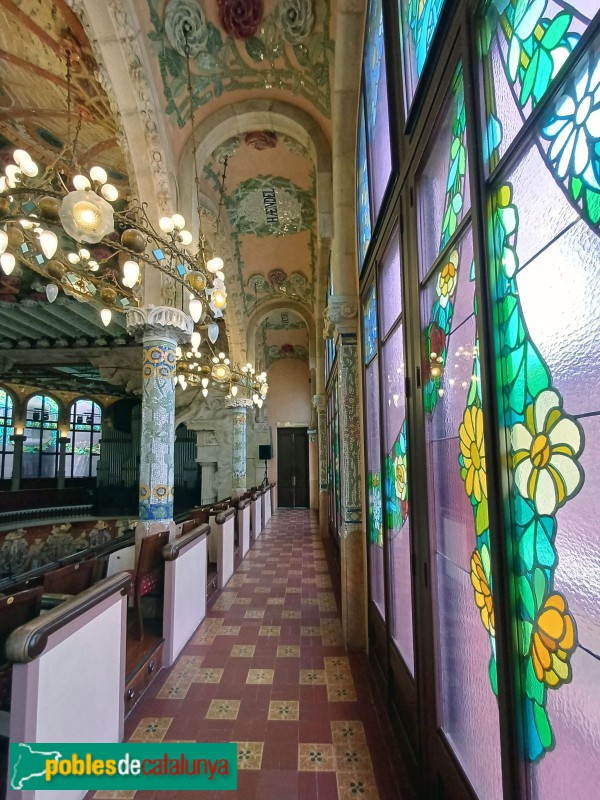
(295, 19)
(240, 18)
(261, 140)
(185, 20)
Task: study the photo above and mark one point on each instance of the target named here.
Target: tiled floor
(266, 669)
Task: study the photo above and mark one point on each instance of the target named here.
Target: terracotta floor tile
(287, 664)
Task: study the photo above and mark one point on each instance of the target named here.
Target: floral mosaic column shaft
(161, 330)
(341, 317)
(238, 476)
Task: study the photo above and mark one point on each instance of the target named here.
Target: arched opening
(40, 451)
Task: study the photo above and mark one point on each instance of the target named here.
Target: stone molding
(161, 322)
(319, 402)
(340, 316)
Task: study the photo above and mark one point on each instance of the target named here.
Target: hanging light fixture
(50, 216)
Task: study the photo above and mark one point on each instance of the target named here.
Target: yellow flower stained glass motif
(472, 448)
(480, 570)
(553, 641)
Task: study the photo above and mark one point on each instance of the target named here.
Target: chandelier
(217, 372)
(70, 226)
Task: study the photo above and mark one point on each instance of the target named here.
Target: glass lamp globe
(86, 217)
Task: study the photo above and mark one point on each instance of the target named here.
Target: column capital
(340, 316)
(238, 403)
(319, 402)
(160, 322)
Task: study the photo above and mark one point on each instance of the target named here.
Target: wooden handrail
(223, 516)
(243, 503)
(29, 641)
(99, 551)
(255, 496)
(172, 550)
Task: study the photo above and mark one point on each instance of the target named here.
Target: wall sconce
(18, 430)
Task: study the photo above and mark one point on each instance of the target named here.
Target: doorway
(292, 468)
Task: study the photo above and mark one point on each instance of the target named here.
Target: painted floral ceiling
(239, 51)
(35, 38)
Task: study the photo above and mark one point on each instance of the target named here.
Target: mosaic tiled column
(161, 330)
(341, 317)
(320, 406)
(239, 408)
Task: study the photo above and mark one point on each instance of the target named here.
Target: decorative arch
(251, 115)
(277, 304)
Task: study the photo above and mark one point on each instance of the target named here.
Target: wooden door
(292, 468)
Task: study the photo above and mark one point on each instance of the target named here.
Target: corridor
(266, 670)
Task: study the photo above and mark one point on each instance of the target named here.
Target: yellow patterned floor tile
(348, 732)
(284, 710)
(223, 709)
(270, 630)
(243, 650)
(351, 785)
(209, 675)
(313, 677)
(151, 729)
(341, 694)
(249, 755)
(310, 630)
(260, 676)
(288, 651)
(316, 758)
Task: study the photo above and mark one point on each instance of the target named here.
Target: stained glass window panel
(6, 429)
(418, 20)
(370, 324)
(458, 519)
(390, 284)
(523, 46)
(443, 186)
(363, 204)
(40, 451)
(397, 493)
(374, 486)
(377, 117)
(545, 257)
(83, 450)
